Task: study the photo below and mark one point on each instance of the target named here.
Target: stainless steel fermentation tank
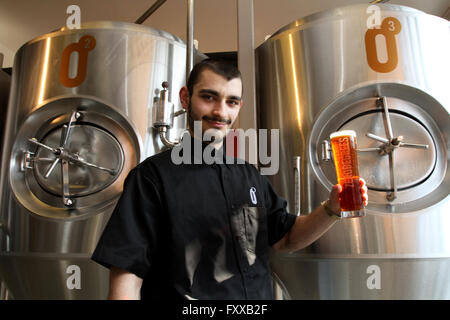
(79, 118)
(332, 71)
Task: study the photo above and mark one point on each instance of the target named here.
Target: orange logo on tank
(86, 44)
(389, 28)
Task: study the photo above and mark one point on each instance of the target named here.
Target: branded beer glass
(343, 144)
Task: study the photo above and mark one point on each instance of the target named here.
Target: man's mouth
(217, 122)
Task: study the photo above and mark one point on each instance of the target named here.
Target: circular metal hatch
(71, 157)
(89, 143)
(401, 150)
(412, 165)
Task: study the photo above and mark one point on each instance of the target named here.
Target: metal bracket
(27, 161)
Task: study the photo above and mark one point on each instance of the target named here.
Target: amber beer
(343, 144)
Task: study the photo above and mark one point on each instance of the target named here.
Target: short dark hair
(221, 67)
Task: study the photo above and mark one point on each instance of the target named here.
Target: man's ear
(184, 97)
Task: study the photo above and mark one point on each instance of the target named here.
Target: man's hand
(337, 189)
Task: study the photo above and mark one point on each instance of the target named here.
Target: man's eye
(233, 102)
(208, 97)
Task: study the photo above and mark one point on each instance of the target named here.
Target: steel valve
(163, 115)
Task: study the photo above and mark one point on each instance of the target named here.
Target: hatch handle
(326, 150)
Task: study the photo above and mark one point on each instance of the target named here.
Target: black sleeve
(130, 237)
(279, 221)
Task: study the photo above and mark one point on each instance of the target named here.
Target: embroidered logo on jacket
(253, 195)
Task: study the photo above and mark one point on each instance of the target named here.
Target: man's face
(215, 102)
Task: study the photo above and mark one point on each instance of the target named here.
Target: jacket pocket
(250, 229)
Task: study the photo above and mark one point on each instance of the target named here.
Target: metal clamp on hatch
(163, 115)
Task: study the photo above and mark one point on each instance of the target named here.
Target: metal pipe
(163, 136)
(189, 46)
(152, 9)
(179, 113)
(190, 38)
(246, 63)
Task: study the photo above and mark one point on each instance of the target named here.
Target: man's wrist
(331, 213)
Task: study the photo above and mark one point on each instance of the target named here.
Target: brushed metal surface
(314, 79)
(123, 78)
(368, 278)
(48, 277)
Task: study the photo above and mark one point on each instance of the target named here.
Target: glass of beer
(343, 144)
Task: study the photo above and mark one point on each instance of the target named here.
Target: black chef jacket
(195, 231)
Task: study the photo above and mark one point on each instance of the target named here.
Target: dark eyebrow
(209, 91)
(234, 98)
(216, 94)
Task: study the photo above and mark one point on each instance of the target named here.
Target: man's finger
(337, 188)
(362, 182)
(364, 191)
(334, 197)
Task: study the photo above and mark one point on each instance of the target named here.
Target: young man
(199, 231)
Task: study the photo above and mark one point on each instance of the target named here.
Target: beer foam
(343, 133)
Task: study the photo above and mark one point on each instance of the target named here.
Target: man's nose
(220, 109)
